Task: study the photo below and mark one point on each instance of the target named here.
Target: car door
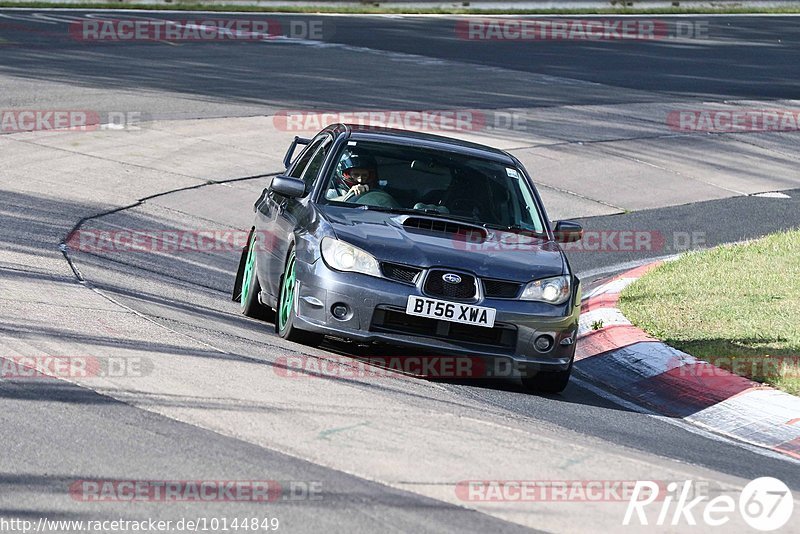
(285, 213)
(269, 237)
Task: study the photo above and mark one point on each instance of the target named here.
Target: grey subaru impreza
(392, 237)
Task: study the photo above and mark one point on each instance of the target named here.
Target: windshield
(441, 184)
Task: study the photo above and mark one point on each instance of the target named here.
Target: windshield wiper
(426, 211)
(387, 209)
(514, 228)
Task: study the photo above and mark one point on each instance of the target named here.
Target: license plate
(451, 311)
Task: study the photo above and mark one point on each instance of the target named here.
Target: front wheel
(546, 381)
(285, 321)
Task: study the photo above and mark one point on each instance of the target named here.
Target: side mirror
(568, 232)
(288, 186)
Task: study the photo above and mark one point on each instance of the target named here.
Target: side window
(304, 158)
(316, 164)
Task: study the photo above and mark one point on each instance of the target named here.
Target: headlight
(345, 257)
(554, 290)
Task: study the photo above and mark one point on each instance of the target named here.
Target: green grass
(737, 306)
(378, 9)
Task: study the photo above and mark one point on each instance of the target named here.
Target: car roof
(376, 133)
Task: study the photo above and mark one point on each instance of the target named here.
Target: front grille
(436, 286)
(400, 273)
(500, 289)
(395, 320)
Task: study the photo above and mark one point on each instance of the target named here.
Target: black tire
(248, 297)
(546, 381)
(285, 328)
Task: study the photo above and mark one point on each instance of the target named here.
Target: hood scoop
(459, 230)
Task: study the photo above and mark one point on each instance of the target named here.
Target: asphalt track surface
(55, 432)
(741, 58)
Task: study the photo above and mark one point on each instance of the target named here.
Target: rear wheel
(251, 288)
(546, 381)
(285, 320)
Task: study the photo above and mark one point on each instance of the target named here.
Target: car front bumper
(377, 311)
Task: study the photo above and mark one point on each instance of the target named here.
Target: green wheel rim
(287, 293)
(247, 279)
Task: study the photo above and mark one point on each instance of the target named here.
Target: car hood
(500, 255)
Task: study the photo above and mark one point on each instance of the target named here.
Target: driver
(358, 176)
